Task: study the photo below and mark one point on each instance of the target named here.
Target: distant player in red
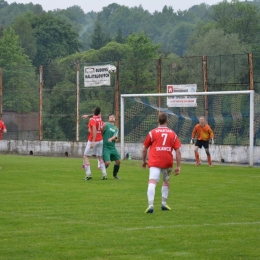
(94, 144)
(2, 129)
(204, 133)
(161, 142)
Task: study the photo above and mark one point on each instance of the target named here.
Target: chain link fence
(47, 104)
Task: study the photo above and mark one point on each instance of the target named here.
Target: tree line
(45, 36)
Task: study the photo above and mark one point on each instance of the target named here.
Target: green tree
(174, 70)
(228, 67)
(54, 38)
(177, 38)
(8, 13)
(242, 18)
(201, 11)
(1, 30)
(107, 11)
(23, 28)
(3, 4)
(11, 54)
(37, 9)
(74, 16)
(86, 30)
(142, 47)
(113, 51)
(138, 62)
(215, 41)
(20, 91)
(63, 108)
(119, 36)
(98, 37)
(128, 19)
(74, 13)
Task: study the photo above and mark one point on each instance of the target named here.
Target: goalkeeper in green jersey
(110, 153)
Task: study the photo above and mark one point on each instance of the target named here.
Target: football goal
(230, 114)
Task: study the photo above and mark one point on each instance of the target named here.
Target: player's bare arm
(94, 134)
(86, 116)
(144, 155)
(178, 162)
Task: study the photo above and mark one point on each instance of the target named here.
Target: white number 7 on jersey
(164, 138)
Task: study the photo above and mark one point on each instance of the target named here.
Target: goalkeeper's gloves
(212, 141)
(192, 141)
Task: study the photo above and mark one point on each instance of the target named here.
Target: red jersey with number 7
(95, 121)
(162, 141)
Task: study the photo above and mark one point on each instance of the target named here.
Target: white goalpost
(231, 115)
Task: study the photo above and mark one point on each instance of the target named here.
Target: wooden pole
(159, 73)
(205, 86)
(251, 73)
(117, 101)
(77, 102)
(1, 93)
(40, 92)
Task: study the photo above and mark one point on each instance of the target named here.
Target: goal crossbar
(245, 92)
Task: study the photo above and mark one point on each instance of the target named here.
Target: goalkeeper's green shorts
(110, 154)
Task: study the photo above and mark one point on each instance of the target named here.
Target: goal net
(229, 113)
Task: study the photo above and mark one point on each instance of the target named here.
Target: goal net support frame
(251, 93)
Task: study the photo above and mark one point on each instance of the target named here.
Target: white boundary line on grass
(69, 220)
(195, 225)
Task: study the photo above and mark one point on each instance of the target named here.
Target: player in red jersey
(161, 142)
(2, 129)
(94, 144)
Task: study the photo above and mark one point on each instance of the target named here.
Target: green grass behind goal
(49, 212)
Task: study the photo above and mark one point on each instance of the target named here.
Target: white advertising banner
(96, 76)
(182, 101)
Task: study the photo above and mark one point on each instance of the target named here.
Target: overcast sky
(97, 5)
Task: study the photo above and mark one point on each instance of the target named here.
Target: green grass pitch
(49, 212)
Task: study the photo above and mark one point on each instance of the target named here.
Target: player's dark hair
(97, 111)
(162, 118)
(111, 115)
